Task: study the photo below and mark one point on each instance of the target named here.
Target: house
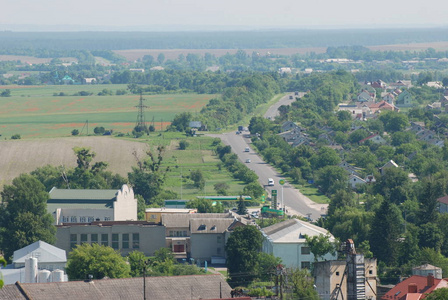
(366, 96)
(427, 269)
(137, 70)
(67, 80)
(389, 164)
(154, 215)
(86, 206)
(354, 180)
(443, 204)
(382, 106)
(199, 235)
(415, 287)
(370, 179)
(379, 84)
(156, 288)
(404, 99)
(289, 125)
(295, 137)
(374, 138)
(389, 98)
(48, 257)
(350, 168)
(287, 241)
(89, 80)
(417, 126)
(401, 84)
(435, 84)
(123, 236)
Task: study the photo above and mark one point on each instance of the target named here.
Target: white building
(287, 241)
(86, 206)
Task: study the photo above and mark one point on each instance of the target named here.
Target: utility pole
(140, 125)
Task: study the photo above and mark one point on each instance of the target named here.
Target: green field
(33, 111)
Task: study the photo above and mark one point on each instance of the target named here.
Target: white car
(248, 161)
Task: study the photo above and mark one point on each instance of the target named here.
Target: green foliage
(23, 217)
(242, 210)
(183, 144)
(438, 294)
(5, 93)
(16, 137)
(303, 285)
(97, 260)
(137, 262)
(242, 250)
(99, 130)
(198, 179)
(320, 245)
(331, 178)
(181, 121)
(205, 206)
(221, 188)
(75, 132)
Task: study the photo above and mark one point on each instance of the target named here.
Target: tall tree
(23, 216)
(428, 202)
(320, 245)
(242, 250)
(385, 233)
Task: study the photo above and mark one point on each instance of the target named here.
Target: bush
(99, 130)
(183, 144)
(16, 137)
(75, 132)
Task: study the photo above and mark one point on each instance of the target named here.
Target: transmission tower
(140, 125)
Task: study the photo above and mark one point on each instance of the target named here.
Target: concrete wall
(125, 207)
(151, 237)
(205, 245)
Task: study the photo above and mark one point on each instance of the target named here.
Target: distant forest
(13, 41)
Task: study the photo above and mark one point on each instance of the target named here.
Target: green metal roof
(81, 196)
(224, 198)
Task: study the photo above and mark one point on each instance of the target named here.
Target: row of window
(178, 233)
(103, 239)
(82, 219)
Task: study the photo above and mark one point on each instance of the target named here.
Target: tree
(198, 179)
(205, 206)
(23, 215)
(325, 157)
(183, 144)
(99, 130)
(181, 121)
(438, 294)
(303, 285)
(3, 263)
(242, 250)
(16, 136)
(242, 210)
(6, 93)
(331, 179)
(137, 261)
(385, 233)
(97, 260)
(75, 132)
(254, 190)
(160, 58)
(266, 266)
(428, 202)
(221, 188)
(320, 245)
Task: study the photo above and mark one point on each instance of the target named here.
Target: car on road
(246, 149)
(270, 181)
(248, 161)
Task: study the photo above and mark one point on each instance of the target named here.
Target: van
(270, 181)
(246, 149)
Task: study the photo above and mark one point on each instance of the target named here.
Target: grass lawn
(33, 111)
(313, 193)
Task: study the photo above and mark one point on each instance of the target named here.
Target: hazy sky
(208, 13)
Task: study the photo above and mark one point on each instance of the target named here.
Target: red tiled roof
(443, 200)
(400, 291)
(367, 138)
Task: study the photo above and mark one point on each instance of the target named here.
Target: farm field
(24, 156)
(33, 111)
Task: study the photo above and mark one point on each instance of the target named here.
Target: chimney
(430, 279)
(412, 288)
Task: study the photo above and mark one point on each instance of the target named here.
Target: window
(83, 219)
(202, 227)
(125, 241)
(219, 239)
(94, 238)
(83, 238)
(73, 219)
(370, 272)
(73, 240)
(135, 241)
(115, 243)
(65, 219)
(305, 265)
(106, 218)
(153, 216)
(337, 273)
(305, 250)
(105, 239)
(90, 219)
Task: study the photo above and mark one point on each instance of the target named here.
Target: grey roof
(293, 231)
(183, 220)
(210, 225)
(11, 292)
(44, 253)
(157, 288)
(76, 195)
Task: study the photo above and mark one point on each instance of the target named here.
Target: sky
(219, 14)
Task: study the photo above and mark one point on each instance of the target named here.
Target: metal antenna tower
(140, 125)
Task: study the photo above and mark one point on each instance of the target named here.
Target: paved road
(295, 202)
(272, 111)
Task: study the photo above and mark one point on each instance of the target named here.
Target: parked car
(248, 161)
